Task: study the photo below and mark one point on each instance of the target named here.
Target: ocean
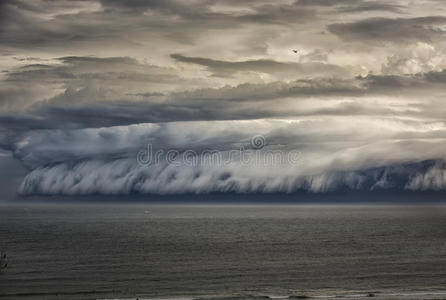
(196, 251)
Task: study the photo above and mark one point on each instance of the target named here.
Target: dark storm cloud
(201, 11)
(86, 69)
(353, 5)
(374, 6)
(119, 77)
(228, 68)
(324, 2)
(110, 101)
(87, 107)
(138, 4)
(85, 84)
(37, 23)
(28, 25)
(147, 95)
(74, 109)
(114, 76)
(427, 29)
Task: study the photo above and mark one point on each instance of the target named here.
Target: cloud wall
(354, 90)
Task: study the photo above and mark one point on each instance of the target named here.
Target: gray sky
(85, 85)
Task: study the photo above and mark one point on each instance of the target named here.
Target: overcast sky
(85, 85)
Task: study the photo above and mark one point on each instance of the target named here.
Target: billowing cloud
(424, 29)
(310, 155)
(282, 69)
(356, 88)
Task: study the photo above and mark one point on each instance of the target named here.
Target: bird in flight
(295, 51)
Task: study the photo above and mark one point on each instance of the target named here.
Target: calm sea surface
(219, 251)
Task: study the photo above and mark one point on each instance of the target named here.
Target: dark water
(88, 251)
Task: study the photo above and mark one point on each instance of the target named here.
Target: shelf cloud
(352, 90)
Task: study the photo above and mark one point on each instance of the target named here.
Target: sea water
(92, 251)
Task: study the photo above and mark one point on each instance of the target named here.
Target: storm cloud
(356, 88)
